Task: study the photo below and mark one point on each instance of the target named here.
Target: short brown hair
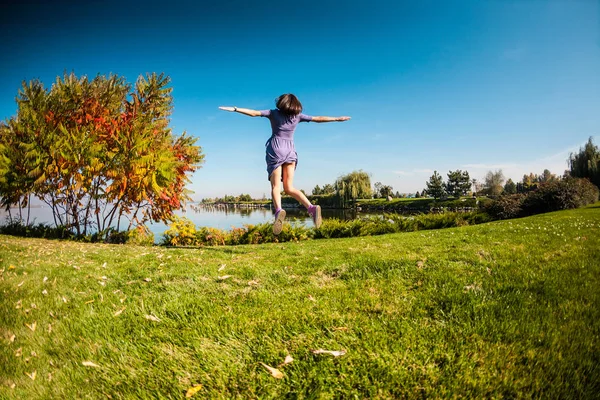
(289, 104)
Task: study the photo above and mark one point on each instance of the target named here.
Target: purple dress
(280, 146)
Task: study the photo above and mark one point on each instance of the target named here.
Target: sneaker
(315, 213)
(278, 224)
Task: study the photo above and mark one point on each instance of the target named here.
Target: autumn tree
(97, 152)
(493, 183)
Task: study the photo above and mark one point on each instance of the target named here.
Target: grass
(508, 309)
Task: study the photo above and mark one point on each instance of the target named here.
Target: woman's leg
(288, 184)
(276, 188)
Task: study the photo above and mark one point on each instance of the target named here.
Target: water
(224, 218)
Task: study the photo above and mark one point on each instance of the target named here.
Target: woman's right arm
(245, 111)
(329, 119)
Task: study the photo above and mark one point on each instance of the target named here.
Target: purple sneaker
(278, 224)
(315, 213)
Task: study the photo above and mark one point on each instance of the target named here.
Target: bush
(141, 236)
(506, 206)
(18, 228)
(560, 195)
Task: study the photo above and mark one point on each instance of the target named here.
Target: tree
(435, 186)
(547, 176)
(317, 191)
(355, 185)
(458, 183)
(586, 163)
(328, 189)
(510, 187)
(494, 182)
(377, 190)
(96, 151)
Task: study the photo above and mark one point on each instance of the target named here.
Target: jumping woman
(281, 155)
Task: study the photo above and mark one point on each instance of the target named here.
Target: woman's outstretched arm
(330, 119)
(246, 111)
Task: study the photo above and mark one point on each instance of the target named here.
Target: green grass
(508, 309)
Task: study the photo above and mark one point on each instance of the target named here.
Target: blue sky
(430, 85)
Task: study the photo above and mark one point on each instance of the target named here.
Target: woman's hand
(341, 119)
(231, 109)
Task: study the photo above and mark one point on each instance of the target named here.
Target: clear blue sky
(430, 85)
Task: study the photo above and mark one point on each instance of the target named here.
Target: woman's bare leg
(288, 184)
(276, 188)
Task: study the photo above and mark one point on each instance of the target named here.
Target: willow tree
(355, 185)
(97, 151)
(586, 163)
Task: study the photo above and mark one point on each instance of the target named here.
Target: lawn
(509, 309)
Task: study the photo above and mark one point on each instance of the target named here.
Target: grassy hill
(505, 309)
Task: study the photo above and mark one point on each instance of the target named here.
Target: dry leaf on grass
(20, 284)
(31, 375)
(44, 292)
(18, 305)
(147, 280)
(19, 352)
(64, 299)
(49, 328)
(288, 360)
(340, 328)
(274, 371)
(90, 301)
(222, 278)
(311, 298)
(119, 312)
(253, 283)
(334, 353)
(420, 264)
(32, 326)
(45, 279)
(152, 318)
(89, 364)
(193, 390)
(11, 267)
(12, 338)
(222, 267)
(104, 265)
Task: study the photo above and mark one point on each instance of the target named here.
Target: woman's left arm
(330, 119)
(245, 111)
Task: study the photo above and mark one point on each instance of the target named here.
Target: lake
(216, 217)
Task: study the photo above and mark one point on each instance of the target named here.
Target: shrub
(560, 195)
(181, 232)
(141, 236)
(505, 207)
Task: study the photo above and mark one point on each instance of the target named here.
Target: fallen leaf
(104, 265)
(123, 300)
(33, 353)
(13, 385)
(334, 353)
(45, 279)
(44, 292)
(222, 267)
(89, 364)
(76, 267)
(18, 352)
(288, 359)
(311, 298)
(102, 283)
(101, 297)
(18, 305)
(32, 326)
(274, 371)
(11, 267)
(20, 284)
(32, 375)
(90, 301)
(103, 278)
(119, 312)
(253, 283)
(152, 318)
(49, 328)
(12, 338)
(33, 305)
(222, 278)
(193, 390)
(49, 376)
(64, 300)
(420, 264)
(489, 271)
(147, 280)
